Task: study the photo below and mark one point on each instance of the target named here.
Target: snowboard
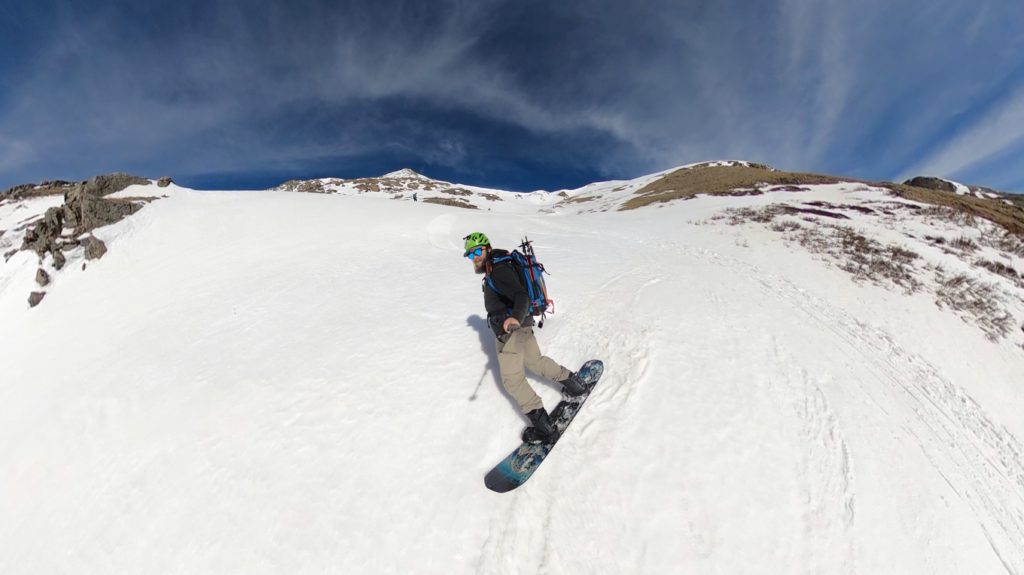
(515, 469)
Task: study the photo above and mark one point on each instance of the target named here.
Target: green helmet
(475, 240)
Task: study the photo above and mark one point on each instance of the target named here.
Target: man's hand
(511, 324)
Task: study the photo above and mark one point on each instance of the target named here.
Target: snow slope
(272, 382)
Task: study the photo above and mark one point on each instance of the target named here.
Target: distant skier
(414, 197)
(507, 315)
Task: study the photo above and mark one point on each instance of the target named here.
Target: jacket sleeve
(511, 286)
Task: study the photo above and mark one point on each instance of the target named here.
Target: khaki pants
(519, 353)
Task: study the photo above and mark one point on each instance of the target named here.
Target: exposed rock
(304, 186)
(58, 259)
(931, 184)
(111, 183)
(42, 278)
(50, 188)
(94, 248)
(85, 209)
(41, 237)
(35, 298)
(101, 185)
(9, 254)
(164, 181)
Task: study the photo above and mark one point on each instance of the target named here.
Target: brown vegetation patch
(817, 212)
(1001, 269)
(856, 254)
(136, 199)
(964, 243)
(457, 192)
(1010, 218)
(831, 206)
(867, 259)
(768, 213)
(366, 185)
(578, 200)
(976, 302)
(686, 183)
(455, 202)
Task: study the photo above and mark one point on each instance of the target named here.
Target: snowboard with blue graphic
(515, 469)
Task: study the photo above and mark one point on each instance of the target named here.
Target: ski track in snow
(620, 345)
(613, 498)
(827, 476)
(982, 462)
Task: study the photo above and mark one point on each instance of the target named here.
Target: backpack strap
(487, 278)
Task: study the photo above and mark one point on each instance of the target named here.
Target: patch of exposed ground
(1009, 217)
(304, 186)
(455, 202)
(578, 200)
(751, 179)
(981, 302)
(457, 192)
(755, 179)
(69, 226)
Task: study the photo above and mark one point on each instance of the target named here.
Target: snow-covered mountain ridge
(803, 376)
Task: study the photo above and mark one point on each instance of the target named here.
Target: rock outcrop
(49, 188)
(931, 184)
(85, 209)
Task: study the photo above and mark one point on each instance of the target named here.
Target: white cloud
(985, 138)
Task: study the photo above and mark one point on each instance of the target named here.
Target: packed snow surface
(270, 382)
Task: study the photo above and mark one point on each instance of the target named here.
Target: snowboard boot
(542, 431)
(573, 386)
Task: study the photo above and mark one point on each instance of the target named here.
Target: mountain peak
(405, 173)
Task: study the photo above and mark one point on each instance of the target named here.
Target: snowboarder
(507, 315)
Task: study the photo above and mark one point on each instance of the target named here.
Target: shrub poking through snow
(964, 243)
(1001, 269)
(867, 259)
(975, 301)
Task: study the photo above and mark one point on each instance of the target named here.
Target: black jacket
(513, 301)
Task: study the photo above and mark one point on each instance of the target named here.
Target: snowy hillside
(822, 378)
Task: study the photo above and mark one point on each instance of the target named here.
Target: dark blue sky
(513, 94)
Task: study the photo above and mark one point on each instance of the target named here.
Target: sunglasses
(474, 253)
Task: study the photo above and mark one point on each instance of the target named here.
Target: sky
(519, 95)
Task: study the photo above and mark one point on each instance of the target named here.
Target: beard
(480, 268)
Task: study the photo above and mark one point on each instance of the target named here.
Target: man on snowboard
(507, 314)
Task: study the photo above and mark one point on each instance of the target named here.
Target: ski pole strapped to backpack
(532, 274)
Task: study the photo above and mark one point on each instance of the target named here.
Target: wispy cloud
(987, 137)
(599, 87)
